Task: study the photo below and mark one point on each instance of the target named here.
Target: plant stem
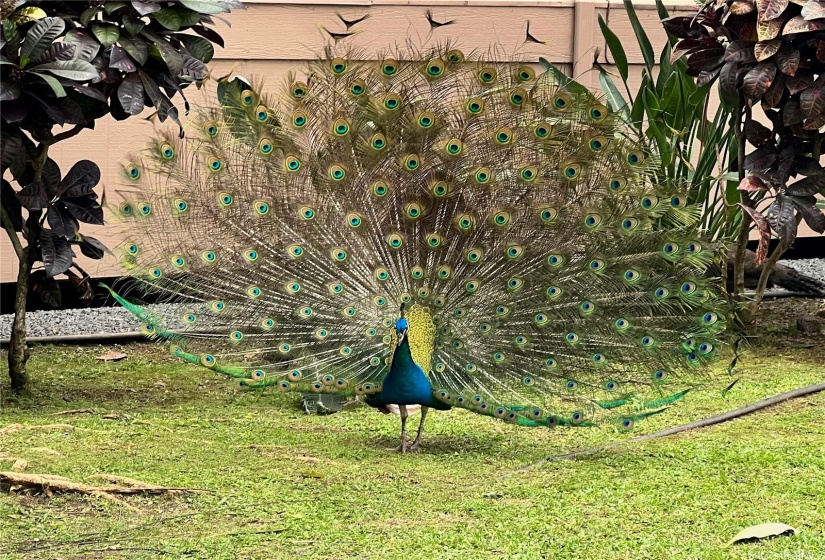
(18, 352)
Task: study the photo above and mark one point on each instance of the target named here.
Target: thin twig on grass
(717, 419)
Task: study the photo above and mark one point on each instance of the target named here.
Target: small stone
(809, 324)
(821, 311)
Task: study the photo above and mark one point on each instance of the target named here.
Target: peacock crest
(499, 227)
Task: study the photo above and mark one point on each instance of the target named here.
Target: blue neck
(406, 382)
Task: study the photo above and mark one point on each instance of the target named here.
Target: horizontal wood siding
(272, 38)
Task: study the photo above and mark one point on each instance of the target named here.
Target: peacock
(426, 231)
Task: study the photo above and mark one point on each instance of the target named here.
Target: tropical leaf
(56, 253)
(78, 70)
(40, 37)
(80, 180)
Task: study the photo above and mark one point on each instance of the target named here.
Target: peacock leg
(417, 443)
(403, 446)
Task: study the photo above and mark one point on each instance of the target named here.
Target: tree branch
(67, 134)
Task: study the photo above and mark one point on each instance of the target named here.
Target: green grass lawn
(281, 484)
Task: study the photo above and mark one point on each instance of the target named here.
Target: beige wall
(272, 37)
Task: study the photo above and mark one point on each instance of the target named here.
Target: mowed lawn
(277, 483)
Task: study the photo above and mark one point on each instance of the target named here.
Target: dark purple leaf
(781, 219)
(87, 45)
(130, 94)
(11, 147)
(61, 222)
(194, 69)
(739, 51)
(787, 59)
(9, 91)
(80, 180)
(683, 27)
(759, 79)
(812, 100)
(764, 230)
(12, 205)
(756, 133)
(152, 90)
(773, 97)
(33, 196)
(708, 59)
(799, 83)
(58, 51)
(760, 159)
(50, 177)
(210, 34)
(91, 92)
(120, 60)
(808, 186)
(729, 77)
(791, 114)
(89, 213)
(812, 215)
(91, 247)
(809, 167)
(55, 252)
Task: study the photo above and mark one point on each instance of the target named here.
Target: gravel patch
(815, 268)
(113, 320)
(96, 320)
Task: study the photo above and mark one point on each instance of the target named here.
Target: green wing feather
(564, 286)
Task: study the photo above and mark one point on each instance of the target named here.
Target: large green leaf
(136, 47)
(57, 88)
(40, 37)
(106, 34)
(562, 79)
(614, 45)
(169, 19)
(77, 70)
(641, 36)
(198, 47)
(206, 6)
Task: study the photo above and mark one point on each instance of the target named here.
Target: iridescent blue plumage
(544, 278)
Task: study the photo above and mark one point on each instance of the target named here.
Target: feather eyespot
(261, 113)
(133, 172)
(167, 151)
(487, 75)
(380, 189)
(247, 97)
(340, 127)
(475, 105)
(337, 173)
(554, 292)
(483, 176)
(454, 146)
(298, 91)
(357, 88)
(525, 74)
(338, 65)
(455, 56)
(299, 119)
(395, 240)
(389, 67)
(292, 163)
(392, 101)
(435, 68)
(475, 255)
(517, 97)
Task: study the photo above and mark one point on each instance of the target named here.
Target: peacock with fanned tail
(442, 232)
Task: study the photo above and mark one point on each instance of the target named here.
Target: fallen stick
(53, 483)
(717, 419)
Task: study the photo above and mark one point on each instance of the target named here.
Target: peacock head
(401, 325)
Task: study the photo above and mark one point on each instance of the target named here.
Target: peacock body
(441, 231)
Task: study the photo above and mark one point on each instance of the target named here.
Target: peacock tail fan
(546, 279)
